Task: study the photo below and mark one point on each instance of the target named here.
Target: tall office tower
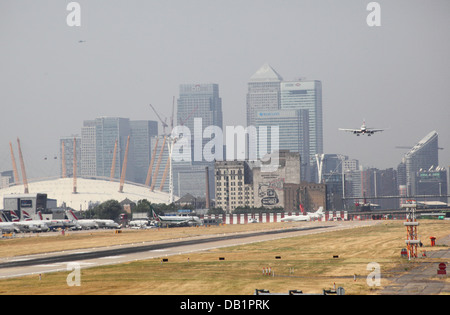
(67, 144)
(423, 155)
(268, 92)
(199, 101)
(306, 95)
(107, 131)
(293, 129)
(142, 132)
(197, 104)
(88, 149)
(263, 92)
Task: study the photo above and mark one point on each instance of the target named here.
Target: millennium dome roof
(88, 191)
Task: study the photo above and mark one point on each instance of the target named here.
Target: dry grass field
(306, 262)
(55, 241)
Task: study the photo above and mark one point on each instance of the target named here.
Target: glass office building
(201, 104)
(199, 101)
(306, 95)
(142, 132)
(424, 155)
(98, 139)
(293, 128)
(107, 131)
(67, 144)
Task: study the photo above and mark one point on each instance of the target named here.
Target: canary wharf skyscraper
(307, 95)
(263, 92)
(199, 101)
(197, 104)
(268, 92)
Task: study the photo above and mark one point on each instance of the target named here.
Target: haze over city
(128, 54)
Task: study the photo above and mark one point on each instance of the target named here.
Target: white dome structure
(88, 191)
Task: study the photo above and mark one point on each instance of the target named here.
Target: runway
(58, 261)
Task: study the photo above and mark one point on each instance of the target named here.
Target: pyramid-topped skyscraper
(295, 107)
(263, 92)
(266, 74)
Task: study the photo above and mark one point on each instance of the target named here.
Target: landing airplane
(363, 130)
(310, 215)
(176, 220)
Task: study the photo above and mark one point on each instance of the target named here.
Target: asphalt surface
(423, 279)
(53, 262)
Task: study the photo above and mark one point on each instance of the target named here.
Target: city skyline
(55, 76)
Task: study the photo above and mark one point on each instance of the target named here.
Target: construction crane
(149, 174)
(163, 122)
(182, 121)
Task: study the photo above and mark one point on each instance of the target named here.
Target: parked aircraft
(27, 224)
(141, 224)
(93, 223)
(6, 225)
(57, 223)
(363, 130)
(304, 217)
(176, 220)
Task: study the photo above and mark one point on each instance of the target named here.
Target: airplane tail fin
(71, 215)
(40, 215)
(155, 216)
(302, 209)
(3, 217)
(14, 217)
(320, 210)
(26, 216)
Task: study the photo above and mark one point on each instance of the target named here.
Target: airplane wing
(375, 130)
(350, 130)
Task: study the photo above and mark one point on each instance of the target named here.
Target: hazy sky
(136, 52)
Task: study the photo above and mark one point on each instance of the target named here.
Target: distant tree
(143, 206)
(110, 209)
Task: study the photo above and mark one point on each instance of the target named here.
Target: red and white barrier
(272, 217)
